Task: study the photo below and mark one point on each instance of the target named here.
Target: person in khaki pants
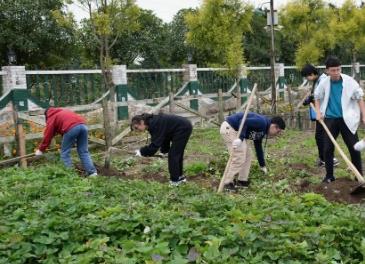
(255, 128)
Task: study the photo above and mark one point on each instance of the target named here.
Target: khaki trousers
(242, 156)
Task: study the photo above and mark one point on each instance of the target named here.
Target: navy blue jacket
(255, 128)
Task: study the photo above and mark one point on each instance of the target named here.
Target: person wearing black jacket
(170, 134)
(311, 74)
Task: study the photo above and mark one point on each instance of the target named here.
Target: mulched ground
(337, 191)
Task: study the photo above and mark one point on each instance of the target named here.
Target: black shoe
(241, 184)
(328, 179)
(230, 187)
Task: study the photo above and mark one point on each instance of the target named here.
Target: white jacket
(351, 94)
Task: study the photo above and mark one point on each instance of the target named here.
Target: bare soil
(337, 191)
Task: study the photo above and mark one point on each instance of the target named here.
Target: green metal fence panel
(261, 76)
(292, 76)
(144, 84)
(362, 72)
(212, 80)
(65, 89)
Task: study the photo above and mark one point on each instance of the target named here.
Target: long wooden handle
(358, 176)
(16, 159)
(221, 184)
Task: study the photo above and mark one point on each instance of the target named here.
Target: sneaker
(320, 163)
(328, 179)
(94, 174)
(359, 146)
(335, 162)
(241, 184)
(230, 187)
(180, 181)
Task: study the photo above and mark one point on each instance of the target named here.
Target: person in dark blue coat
(170, 134)
(256, 128)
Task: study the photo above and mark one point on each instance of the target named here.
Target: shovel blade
(359, 189)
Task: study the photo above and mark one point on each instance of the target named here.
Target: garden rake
(221, 184)
(359, 188)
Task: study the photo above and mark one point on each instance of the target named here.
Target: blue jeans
(78, 135)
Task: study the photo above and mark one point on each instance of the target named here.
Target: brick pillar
(119, 75)
(191, 76)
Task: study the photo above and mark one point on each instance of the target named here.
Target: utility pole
(273, 82)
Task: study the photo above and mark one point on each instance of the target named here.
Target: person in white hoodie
(338, 101)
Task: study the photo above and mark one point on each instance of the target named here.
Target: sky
(166, 9)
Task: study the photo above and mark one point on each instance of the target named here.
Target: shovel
(359, 188)
(221, 184)
(16, 159)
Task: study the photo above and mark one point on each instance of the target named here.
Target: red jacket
(59, 121)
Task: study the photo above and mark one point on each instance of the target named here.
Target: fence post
(15, 85)
(220, 106)
(280, 72)
(243, 85)
(356, 71)
(120, 80)
(191, 76)
(171, 102)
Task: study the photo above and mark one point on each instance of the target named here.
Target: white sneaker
(180, 181)
(359, 146)
(93, 174)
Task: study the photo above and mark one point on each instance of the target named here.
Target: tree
(348, 27)
(305, 23)
(33, 30)
(217, 28)
(108, 20)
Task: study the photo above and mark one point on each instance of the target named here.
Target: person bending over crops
(73, 129)
(170, 134)
(256, 127)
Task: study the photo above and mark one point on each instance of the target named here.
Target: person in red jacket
(73, 129)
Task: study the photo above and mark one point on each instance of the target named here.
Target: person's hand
(236, 143)
(38, 152)
(319, 116)
(138, 153)
(359, 146)
(264, 170)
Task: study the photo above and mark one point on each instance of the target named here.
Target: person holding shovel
(256, 128)
(73, 129)
(170, 134)
(312, 75)
(338, 101)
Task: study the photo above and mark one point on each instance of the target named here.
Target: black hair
(308, 70)
(277, 120)
(145, 117)
(332, 61)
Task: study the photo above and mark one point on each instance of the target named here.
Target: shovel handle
(358, 176)
(16, 159)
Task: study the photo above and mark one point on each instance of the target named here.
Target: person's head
(140, 122)
(333, 68)
(309, 72)
(277, 125)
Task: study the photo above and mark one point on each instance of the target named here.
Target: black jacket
(164, 127)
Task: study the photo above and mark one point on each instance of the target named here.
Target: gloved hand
(236, 143)
(264, 170)
(138, 153)
(359, 146)
(38, 152)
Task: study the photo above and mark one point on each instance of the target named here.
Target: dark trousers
(319, 136)
(176, 151)
(337, 126)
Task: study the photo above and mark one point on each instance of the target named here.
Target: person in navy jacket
(74, 130)
(256, 128)
(170, 134)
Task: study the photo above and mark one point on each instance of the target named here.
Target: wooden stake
(20, 138)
